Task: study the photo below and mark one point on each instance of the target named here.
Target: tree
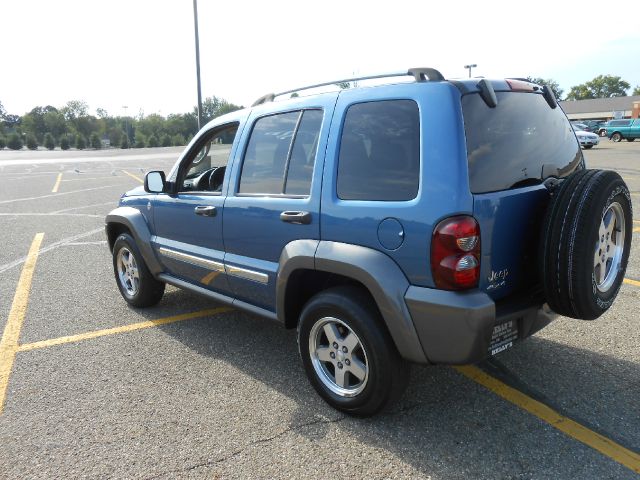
(141, 142)
(125, 142)
(344, 85)
(14, 142)
(74, 109)
(81, 143)
(64, 142)
(636, 91)
(166, 140)
(55, 123)
(153, 124)
(3, 141)
(95, 141)
(86, 125)
(213, 107)
(551, 83)
(153, 141)
(32, 143)
(603, 86)
(49, 143)
(178, 140)
(34, 122)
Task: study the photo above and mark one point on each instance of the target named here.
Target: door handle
(205, 211)
(296, 217)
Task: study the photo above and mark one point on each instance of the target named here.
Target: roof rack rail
(420, 75)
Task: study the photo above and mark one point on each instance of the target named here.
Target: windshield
(521, 142)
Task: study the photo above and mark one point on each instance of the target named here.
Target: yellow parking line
(125, 328)
(632, 282)
(57, 184)
(133, 176)
(569, 427)
(9, 341)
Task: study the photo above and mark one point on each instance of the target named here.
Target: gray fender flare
(375, 270)
(135, 222)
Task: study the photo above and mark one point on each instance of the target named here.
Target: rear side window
(520, 142)
(380, 152)
(281, 153)
(619, 123)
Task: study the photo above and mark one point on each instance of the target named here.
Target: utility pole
(195, 24)
(468, 67)
(126, 130)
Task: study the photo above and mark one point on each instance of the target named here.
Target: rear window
(521, 142)
(380, 152)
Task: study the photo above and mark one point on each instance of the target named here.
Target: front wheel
(348, 354)
(616, 137)
(587, 147)
(630, 139)
(135, 281)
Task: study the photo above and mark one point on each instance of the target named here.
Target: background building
(602, 108)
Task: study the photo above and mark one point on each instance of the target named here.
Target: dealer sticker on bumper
(503, 336)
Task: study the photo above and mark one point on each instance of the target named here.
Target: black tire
(387, 373)
(149, 291)
(603, 133)
(571, 237)
(587, 147)
(616, 137)
(630, 139)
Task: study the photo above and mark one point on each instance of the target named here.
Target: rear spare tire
(585, 244)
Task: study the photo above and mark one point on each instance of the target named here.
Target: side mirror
(154, 182)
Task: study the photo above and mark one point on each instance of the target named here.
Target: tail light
(455, 253)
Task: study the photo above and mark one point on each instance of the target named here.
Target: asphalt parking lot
(193, 389)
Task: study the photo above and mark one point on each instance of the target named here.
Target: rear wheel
(630, 139)
(135, 281)
(587, 236)
(348, 354)
(616, 137)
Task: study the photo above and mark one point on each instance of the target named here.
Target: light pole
(468, 67)
(126, 131)
(195, 24)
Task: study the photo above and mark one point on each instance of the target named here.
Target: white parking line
(114, 203)
(10, 214)
(25, 199)
(78, 244)
(60, 243)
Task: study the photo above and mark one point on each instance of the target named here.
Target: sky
(141, 54)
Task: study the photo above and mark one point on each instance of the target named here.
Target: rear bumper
(456, 327)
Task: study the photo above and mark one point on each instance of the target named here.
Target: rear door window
(281, 153)
(520, 142)
(380, 152)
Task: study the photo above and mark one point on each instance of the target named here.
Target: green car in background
(628, 129)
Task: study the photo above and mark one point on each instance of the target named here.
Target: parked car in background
(628, 129)
(595, 126)
(580, 126)
(586, 139)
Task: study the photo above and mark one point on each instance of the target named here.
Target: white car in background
(586, 139)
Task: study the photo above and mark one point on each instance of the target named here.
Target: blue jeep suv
(429, 221)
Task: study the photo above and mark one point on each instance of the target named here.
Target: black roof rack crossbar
(420, 75)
